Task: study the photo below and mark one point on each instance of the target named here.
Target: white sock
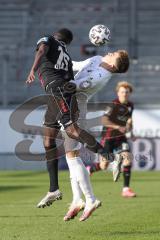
(78, 169)
(76, 191)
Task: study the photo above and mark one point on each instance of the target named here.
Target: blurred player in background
(93, 74)
(117, 122)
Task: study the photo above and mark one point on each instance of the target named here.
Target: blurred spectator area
(134, 26)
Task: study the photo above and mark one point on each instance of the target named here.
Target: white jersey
(91, 77)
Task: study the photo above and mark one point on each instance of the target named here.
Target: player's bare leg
(103, 165)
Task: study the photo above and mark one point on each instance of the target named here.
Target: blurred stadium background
(134, 26)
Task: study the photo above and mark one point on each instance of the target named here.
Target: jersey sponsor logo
(121, 109)
(44, 39)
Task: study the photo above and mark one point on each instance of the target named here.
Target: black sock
(126, 175)
(52, 166)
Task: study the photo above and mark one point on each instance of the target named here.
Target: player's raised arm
(42, 50)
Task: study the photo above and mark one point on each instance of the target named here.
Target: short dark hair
(122, 63)
(64, 35)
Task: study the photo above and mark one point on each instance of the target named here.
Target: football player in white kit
(93, 74)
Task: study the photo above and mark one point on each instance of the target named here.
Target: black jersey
(119, 114)
(56, 65)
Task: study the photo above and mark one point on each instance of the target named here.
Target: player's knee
(72, 131)
(103, 164)
(127, 158)
(46, 143)
(72, 154)
(50, 151)
(49, 143)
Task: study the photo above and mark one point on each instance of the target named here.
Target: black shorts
(62, 107)
(117, 145)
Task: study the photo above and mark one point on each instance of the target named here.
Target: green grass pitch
(117, 219)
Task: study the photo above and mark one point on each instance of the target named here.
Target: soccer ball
(99, 35)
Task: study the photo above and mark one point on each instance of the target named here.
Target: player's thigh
(69, 113)
(49, 135)
(82, 106)
(52, 114)
(122, 149)
(70, 145)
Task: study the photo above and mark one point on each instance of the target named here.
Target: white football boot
(89, 209)
(49, 199)
(74, 209)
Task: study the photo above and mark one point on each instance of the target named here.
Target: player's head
(119, 61)
(124, 90)
(64, 35)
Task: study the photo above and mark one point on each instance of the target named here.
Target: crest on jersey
(85, 85)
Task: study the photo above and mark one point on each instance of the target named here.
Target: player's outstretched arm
(77, 66)
(43, 49)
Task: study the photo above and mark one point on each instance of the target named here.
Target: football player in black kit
(117, 122)
(54, 67)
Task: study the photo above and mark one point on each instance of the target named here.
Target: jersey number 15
(63, 59)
